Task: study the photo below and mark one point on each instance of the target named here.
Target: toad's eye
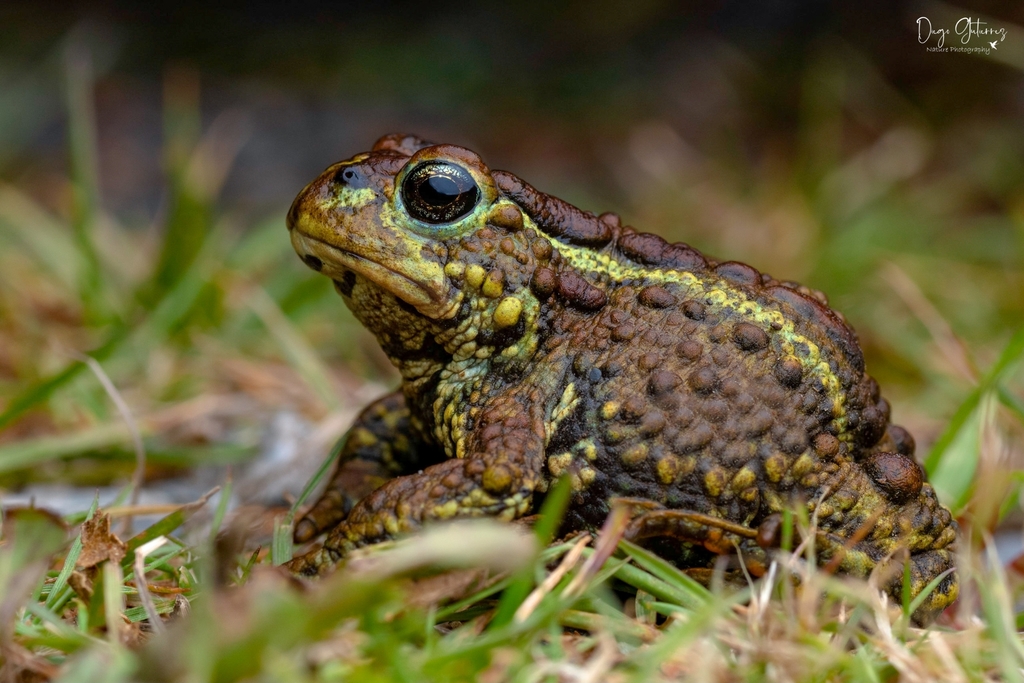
(439, 192)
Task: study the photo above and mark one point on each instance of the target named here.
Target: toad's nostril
(351, 177)
(313, 262)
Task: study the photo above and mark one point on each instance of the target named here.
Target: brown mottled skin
(536, 340)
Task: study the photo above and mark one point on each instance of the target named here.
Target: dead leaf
(99, 543)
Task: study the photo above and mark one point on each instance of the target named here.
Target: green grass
(213, 305)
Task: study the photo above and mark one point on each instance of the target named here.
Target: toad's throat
(430, 297)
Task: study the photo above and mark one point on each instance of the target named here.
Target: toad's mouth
(429, 296)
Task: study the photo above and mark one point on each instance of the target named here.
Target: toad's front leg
(503, 467)
(382, 444)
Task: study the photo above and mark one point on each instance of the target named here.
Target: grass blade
(164, 526)
(29, 453)
(281, 548)
(296, 349)
(42, 390)
(550, 517)
(1011, 354)
(84, 174)
(69, 563)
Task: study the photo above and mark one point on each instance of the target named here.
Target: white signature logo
(966, 28)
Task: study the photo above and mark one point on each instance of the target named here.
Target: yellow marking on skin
(455, 269)
(749, 495)
(494, 284)
(496, 478)
(478, 498)
(715, 481)
(353, 198)
(360, 437)
(475, 276)
(507, 514)
(558, 464)
(745, 478)
(566, 404)
(458, 381)
(602, 268)
(672, 469)
(883, 528)
(587, 475)
(526, 504)
(391, 525)
(802, 465)
(507, 313)
(446, 511)
(775, 467)
(668, 469)
(609, 410)
(466, 351)
(587, 449)
(856, 562)
(773, 501)
(617, 433)
(391, 418)
(635, 455)
(689, 464)
(843, 500)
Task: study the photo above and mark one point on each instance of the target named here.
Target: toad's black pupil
(439, 192)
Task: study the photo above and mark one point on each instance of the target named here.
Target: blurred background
(148, 154)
